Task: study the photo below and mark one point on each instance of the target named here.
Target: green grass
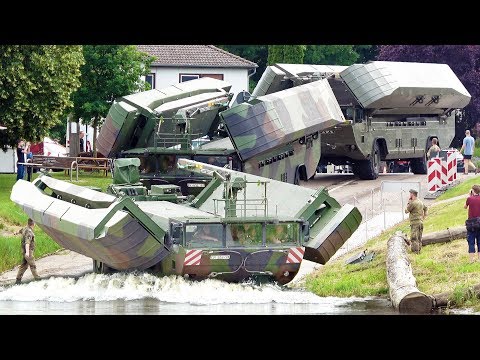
(12, 218)
(461, 189)
(476, 150)
(438, 268)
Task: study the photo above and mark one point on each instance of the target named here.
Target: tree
(330, 55)
(256, 53)
(36, 82)
(366, 52)
(289, 54)
(464, 60)
(109, 71)
(294, 54)
(275, 54)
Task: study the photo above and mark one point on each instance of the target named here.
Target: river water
(147, 294)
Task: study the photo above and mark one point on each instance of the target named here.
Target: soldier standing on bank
(417, 212)
(28, 247)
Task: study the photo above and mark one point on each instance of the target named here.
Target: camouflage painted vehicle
(238, 227)
(393, 110)
(275, 136)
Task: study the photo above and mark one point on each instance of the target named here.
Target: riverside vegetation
(438, 268)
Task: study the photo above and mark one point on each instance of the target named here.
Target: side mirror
(176, 233)
(306, 231)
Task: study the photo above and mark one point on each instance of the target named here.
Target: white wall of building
(166, 76)
(8, 161)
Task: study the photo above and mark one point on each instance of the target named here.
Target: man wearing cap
(417, 212)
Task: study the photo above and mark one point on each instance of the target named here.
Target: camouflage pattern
(28, 237)
(113, 234)
(188, 108)
(416, 231)
(280, 131)
(416, 211)
(393, 110)
(330, 224)
(234, 229)
(274, 136)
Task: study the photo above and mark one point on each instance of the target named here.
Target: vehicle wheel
(369, 169)
(100, 268)
(419, 165)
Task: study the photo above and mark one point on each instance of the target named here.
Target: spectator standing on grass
(473, 222)
(29, 155)
(417, 212)
(20, 159)
(468, 148)
(81, 135)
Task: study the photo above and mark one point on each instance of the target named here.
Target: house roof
(194, 56)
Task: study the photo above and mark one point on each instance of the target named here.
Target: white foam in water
(169, 289)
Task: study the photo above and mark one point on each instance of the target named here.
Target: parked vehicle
(459, 156)
(392, 110)
(399, 166)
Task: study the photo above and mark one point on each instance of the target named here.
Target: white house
(178, 63)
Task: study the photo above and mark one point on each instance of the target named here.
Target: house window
(150, 78)
(187, 77)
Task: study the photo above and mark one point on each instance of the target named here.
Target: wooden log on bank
(404, 295)
(442, 236)
(446, 298)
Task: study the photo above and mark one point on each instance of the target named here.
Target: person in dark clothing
(29, 155)
(20, 159)
(81, 136)
(473, 222)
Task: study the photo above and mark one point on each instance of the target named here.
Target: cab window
(220, 161)
(204, 235)
(283, 233)
(245, 234)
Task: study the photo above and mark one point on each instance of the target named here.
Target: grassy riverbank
(12, 218)
(439, 267)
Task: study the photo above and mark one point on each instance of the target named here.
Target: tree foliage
(287, 54)
(366, 52)
(464, 60)
(256, 53)
(330, 55)
(313, 54)
(275, 54)
(110, 71)
(36, 82)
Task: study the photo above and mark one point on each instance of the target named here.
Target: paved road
(347, 188)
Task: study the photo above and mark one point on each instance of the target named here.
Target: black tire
(419, 165)
(369, 169)
(296, 178)
(100, 267)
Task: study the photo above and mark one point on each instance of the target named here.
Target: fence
(69, 163)
(378, 204)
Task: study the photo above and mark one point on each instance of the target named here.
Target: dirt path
(62, 263)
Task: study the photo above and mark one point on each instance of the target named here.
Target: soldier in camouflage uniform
(417, 212)
(28, 248)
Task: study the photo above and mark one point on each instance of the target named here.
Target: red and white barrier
(451, 166)
(444, 172)
(434, 173)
